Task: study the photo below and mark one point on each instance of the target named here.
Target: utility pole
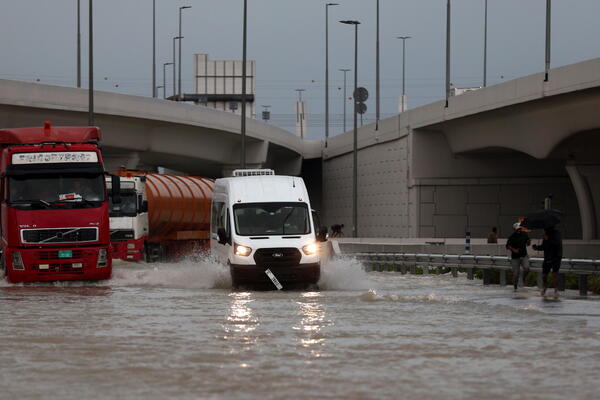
(91, 121)
(345, 70)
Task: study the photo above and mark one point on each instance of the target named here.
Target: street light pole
(548, 37)
(299, 115)
(244, 54)
(344, 70)
(165, 78)
(154, 90)
(174, 65)
(181, 37)
(448, 52)
(377, 76)
(404, 38)
(485, 29)
(91, 68)
(78, 43)
(327, 70)
(355, 146)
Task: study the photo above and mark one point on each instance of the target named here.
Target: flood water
(179, 331)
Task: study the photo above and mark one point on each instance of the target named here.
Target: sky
(287, 40)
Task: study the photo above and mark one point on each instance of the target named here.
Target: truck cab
(262, 223)
(128, 218)
(53, 205)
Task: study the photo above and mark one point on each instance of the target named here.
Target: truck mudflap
(291, 277)
(128, 250)
(51, 264)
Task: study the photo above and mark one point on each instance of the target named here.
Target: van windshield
(255, 219)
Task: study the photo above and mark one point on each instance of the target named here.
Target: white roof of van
(258, 189)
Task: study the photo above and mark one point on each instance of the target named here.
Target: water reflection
(312, 321)
(241, 322)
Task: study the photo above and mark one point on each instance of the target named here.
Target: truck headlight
(310, 249)
(241, 250)
(102, 258)
(18, 261)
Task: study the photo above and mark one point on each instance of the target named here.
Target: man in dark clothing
(552, 247)
(517, 244)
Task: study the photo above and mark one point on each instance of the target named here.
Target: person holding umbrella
(517, 244)
(552, 247)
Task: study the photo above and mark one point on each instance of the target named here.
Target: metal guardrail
(471, 262)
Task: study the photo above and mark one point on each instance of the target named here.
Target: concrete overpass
(491, 156)
(142, 132)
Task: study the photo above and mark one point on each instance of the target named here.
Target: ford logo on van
(277, 255)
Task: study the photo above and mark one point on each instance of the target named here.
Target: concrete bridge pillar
(585, 199)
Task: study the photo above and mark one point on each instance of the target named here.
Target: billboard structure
(218, 84)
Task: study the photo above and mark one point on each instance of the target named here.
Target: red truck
(53, 205)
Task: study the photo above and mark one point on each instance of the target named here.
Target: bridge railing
(404, 262)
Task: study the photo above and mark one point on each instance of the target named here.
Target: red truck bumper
(128, 250)
(49, 265)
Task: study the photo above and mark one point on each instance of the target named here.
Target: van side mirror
(115, 182)
(322, 236)
(222, 234)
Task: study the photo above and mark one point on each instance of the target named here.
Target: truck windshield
(126, 208)
(256, 219)
(46, 190)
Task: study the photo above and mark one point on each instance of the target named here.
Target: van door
(220, 219)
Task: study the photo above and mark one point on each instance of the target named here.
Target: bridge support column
(585, 202)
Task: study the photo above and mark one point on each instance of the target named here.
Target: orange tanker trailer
(177, 222)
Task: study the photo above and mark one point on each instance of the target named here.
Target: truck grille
(61, 235)
(53, 254)
(121, 234)
(279, 257)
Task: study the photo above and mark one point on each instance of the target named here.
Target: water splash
(193, 273)
(344, 273)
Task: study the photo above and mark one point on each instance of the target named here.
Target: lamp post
(174, 64)
(327, 69)
(78, 43)
(404, 38)
(91, 68)
(485, 29)
(548, 37)
(299, 115)
(154, 88)
(244, 54)
(181, 37)
(377, 78)
(355, 147)
(345, 70)
(164, 86)
(448, 52)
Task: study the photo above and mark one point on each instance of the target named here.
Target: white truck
(129, 219)
(263, 228)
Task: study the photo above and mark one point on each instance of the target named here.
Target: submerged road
(179, 331)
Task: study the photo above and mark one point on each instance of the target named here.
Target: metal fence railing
(409, 262)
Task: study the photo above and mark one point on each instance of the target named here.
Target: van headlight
(18, 261)
(102, 258)
(241, 250)
(310, 249)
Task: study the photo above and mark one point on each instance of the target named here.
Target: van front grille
(277, 257)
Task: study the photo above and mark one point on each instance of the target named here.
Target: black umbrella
(542, 219)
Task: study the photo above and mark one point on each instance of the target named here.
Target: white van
(262, 222)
